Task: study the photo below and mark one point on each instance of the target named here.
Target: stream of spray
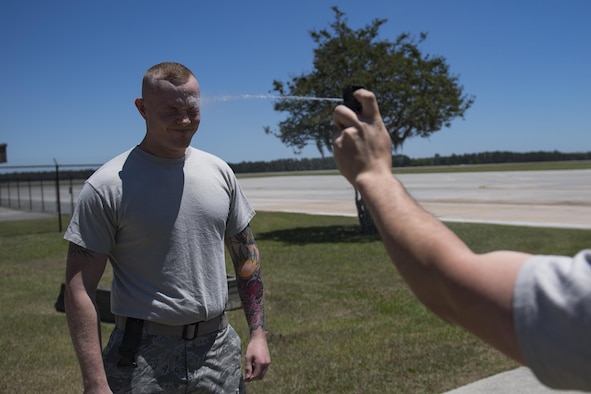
(206, 100)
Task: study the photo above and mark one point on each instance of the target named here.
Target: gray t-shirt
(162, 222)
(552, 317)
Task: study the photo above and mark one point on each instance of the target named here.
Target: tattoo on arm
(246, 259)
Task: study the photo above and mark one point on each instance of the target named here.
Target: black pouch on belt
(130, 343)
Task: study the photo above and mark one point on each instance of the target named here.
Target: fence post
(42, 196)
(30, 195)
(18, 193)
(57, 195)
(71, 190)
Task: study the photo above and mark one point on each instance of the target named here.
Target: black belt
(134, 328)
(187, 331)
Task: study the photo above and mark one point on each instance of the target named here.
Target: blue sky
(72, 69)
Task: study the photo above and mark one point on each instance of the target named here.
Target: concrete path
(516, 381)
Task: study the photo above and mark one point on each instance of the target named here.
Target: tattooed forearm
(77, 250)
(246, 259)
(251, 294)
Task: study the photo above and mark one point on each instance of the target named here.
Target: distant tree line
(327, 163)
(284, 165)
(495, 157)
(498, 157)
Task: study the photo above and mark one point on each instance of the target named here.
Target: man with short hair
(161, 213)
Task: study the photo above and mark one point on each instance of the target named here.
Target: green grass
(340, 319)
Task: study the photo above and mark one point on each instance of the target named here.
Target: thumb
(369, 103)
(248, 368)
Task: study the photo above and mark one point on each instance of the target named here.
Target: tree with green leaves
(417, 93)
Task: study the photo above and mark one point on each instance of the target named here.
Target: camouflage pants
(206, 364)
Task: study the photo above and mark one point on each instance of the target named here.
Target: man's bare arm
(471, 290)
(246, 259)
(84, 270)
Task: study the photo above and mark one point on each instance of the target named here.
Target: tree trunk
(367, 225)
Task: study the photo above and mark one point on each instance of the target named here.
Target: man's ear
(139, 104)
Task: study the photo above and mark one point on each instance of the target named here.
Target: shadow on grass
(318, 234)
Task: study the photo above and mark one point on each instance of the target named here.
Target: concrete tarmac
(9, 214)
(530, 198)
(533, 198)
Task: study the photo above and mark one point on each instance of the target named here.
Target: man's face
(172, 115)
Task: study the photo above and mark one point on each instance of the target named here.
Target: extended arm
(471, 290)
(246, 259)
(84, 270)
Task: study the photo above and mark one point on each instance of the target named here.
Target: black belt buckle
(190, 331)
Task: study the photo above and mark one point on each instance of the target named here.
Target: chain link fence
(43, 188)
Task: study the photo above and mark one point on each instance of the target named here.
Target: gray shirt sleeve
(552, 317)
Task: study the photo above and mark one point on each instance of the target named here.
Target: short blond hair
(175, 73)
